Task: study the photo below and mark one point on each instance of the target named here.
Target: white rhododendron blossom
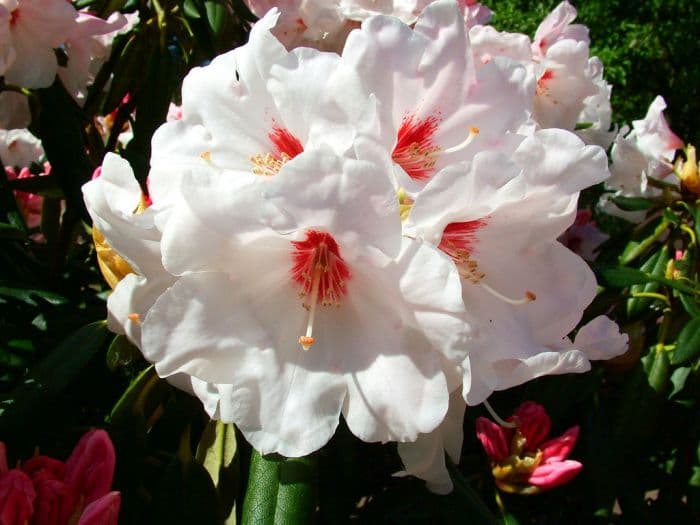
(435, 108)
(647, 150)
(370, 235)
(19, 148)
(570, 89)
(523, 290)
(31, 29)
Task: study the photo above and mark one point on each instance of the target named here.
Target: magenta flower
(522, 461)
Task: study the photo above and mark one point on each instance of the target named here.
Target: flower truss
(370, 234)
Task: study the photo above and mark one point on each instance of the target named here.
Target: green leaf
(185, 493)
(29, 295)
(688, 344)
(632, 203)
(624, 277)
(40, 388)
(121, 353)
(9, 231)
(656, 265)
(475, 508)
(690, 305)
(280, 490)
(217, 451)
(217, 16)
(678, 378)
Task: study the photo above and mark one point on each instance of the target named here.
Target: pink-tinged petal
(601, 339)
(533, 422)
(559, 448)
(493, 438)
(3, 458)
(552, 475)
(654, 136)
(55, 502)
(16, 498)
(104, 511)
(40, 468)
(90, 467)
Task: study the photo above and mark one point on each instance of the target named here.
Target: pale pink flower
(556, 27)
(645, 151)
(87, 47)
(583, 237)
(33, 29)
(522, 461)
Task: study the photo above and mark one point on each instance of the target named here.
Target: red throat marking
(319, 269)
(415, 149)
(286, 144)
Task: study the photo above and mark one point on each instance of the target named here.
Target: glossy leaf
(280, 490)
(39, 389)
(688, 344)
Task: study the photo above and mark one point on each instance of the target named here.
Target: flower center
(285, 147)
(14, 16)
(415, 150)
(321, 273)
(543, 82)
(458, 240)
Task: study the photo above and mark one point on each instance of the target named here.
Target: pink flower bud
(3, 458)
(559, 448)
(55, 502)
(90, 467)
(16, 498)
(533, 422)
(493, 438)
(103, 511)
(550, 475)
(41, 468)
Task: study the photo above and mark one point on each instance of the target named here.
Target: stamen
(529, 296)
(136, 318)
(473, 132)
(321, 272)
(498, 418)
(307, 339)
(415, 150)
(286, 147)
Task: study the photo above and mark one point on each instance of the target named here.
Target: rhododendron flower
(645, 151)
(130, 245)
(46, 491)
(18, 150)
(584, 237)
(87, 47)
(373, 307)
(521, 287)
(435, 108)
(522, 461)
(325, 24)
(33, 28)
